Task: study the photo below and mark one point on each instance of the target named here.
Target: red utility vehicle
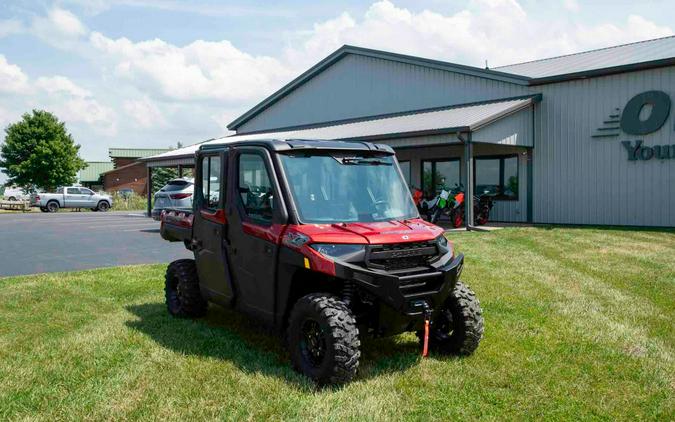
(320, 240)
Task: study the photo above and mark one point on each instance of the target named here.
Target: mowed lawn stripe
(578, 326)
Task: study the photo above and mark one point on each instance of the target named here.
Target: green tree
(39, 153)
(161, 176)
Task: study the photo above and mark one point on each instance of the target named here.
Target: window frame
(433, 162)
(409, 181)
(203, 203)
(501, 158)
(271, 175)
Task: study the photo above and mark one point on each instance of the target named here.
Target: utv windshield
(347, 188)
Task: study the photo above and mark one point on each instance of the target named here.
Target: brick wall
(132, 176)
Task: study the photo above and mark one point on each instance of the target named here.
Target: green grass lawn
(580, 324)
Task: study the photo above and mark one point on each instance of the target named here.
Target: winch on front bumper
(409, 290)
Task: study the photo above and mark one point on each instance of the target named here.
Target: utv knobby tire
(183, 297)
(458, 328)
(339, 334)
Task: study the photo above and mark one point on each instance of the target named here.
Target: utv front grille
(401, 256)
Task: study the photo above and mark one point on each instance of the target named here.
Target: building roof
(650, 51)
(443, 120)
(93, 171)
(113, 170)
(135, 152)
(349, 49)
(622, 58)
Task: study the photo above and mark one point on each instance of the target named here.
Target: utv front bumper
(408, 294)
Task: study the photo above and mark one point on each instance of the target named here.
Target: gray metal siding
(358, 86)
(515, 130)
(583, 180)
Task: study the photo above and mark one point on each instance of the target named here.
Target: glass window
(340, 188)
(497, 176)
(211, 182)
(85, 191)
(255, 188)
(176, 185)
(440, 174)
(59, 190)
(73, 191)
(405, 169)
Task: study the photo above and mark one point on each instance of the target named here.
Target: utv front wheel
(183, 298)
(323, 340)
(458, 328)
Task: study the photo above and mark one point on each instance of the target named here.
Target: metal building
(586, 138)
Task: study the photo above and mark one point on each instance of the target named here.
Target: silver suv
(175, 194)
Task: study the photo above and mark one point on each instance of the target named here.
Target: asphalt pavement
(68, 241)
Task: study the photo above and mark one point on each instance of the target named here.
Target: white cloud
(61, 85)
(498, 30)
(74, 104)
(89, 111)
(10, 26)
(7, 117)
(145, 113)
(201, 70)
(12, 78)
(571, 5)
(60, 28)
(636, 28)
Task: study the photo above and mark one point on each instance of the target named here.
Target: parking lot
(66, 241)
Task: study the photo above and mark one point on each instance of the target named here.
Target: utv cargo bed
(176, 225)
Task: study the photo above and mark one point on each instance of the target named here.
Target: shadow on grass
(226, 334)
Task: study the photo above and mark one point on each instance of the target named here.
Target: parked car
(12, 193)
(175, 194)
(125, 193)
(72, 197)
(320, 240)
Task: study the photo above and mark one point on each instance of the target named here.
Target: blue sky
(149, 73)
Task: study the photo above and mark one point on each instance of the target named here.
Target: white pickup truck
(71, 197)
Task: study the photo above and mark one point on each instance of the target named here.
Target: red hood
(414, 230)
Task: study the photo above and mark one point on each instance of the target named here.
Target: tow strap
(427, 322)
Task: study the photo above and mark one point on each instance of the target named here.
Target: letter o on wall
(630, 118)
(646, 153)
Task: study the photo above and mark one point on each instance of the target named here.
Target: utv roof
(277, 144)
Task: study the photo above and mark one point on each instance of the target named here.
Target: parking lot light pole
(149, 189)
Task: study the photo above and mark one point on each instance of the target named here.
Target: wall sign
(643, 114)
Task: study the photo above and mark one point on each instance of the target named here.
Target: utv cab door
(209, 228)
(256, 217)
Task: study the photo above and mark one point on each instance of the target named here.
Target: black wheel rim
(443, 325)
(312, 342)
(52, 207)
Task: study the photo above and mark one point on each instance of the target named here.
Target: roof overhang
(455, 119)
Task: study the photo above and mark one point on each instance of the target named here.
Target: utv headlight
(349, 253)
(443, 245)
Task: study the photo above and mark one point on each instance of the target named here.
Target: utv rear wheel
(458, 328)
(323, 340)
(183, 298)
